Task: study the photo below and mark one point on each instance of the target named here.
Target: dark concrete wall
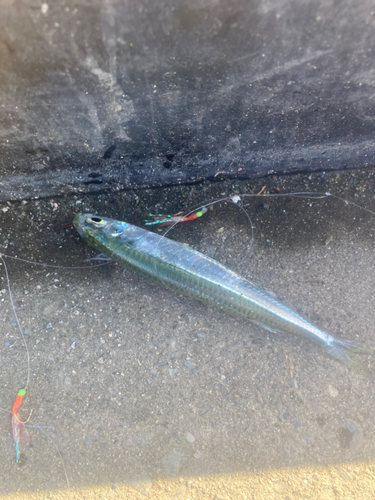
(121, 94)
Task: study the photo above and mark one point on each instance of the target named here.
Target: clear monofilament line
(17, 321)
(54, 266)
(56, 448)
(229, 200)
(234, 199)
(41, 428)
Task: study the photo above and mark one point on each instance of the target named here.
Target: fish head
(94, 228)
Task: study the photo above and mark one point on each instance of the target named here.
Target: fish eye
(96, 221)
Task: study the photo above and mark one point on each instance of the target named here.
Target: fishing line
(35, 426)
(229, 200)
(55, 266)
(236, 198)
(58, 451)
(23, 336)
(20, 434)
(17, 321)
(303, 194)
(232, 199)
(310, 195)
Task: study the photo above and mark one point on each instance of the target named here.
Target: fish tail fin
(347, 352)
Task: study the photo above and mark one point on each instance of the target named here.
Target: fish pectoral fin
(269, 328)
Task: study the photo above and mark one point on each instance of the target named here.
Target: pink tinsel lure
(20, 434)
(168, 220)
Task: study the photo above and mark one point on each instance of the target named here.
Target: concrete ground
(142, 387)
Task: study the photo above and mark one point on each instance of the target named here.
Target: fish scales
(193, 274)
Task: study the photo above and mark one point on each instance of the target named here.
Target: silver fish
(191, 273)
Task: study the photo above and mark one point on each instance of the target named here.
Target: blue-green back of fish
(191, 273)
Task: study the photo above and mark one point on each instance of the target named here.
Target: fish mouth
(79, 223)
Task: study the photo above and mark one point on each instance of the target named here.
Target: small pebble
(344, 474)
(8, 343)
(332, 391)
(190, 365)
(259, 398)
(190, 438)
(295, 422)
(173, 371)
(308, 439)
(282, 415)
(171, 462)
(44, 8)
(328, 240)
(49, 326)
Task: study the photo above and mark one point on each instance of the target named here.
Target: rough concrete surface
(140, 385)
(122, 94)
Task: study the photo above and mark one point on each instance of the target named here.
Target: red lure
(168, 220)
(20, 434)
